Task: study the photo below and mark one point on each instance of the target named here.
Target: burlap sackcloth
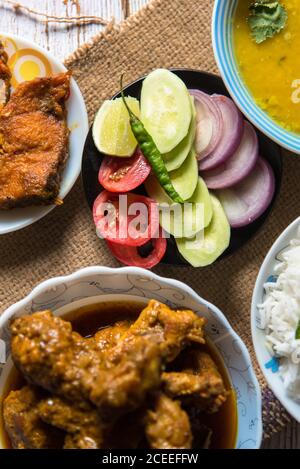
(164, 34)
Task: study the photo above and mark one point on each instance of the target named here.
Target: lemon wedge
(112, 133)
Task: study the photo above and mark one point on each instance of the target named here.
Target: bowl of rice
(275, 318)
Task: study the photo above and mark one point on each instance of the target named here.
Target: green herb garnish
(266, 19)
(297, 334)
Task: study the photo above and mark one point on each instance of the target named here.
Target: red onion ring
(231, 136)
(209, 123)
(249, 199)
(238, 166)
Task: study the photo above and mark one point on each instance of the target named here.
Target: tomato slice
(126, 219)
(129, 255)
(123, 174)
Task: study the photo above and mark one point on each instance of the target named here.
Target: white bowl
(258, 336)
(94, 284)
(22, 55)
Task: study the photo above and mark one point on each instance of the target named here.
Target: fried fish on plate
(33, 142)
(5, 77)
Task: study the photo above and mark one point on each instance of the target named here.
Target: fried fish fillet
(5, 77)
(33, 142)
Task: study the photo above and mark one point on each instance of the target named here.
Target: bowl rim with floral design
(96, 283)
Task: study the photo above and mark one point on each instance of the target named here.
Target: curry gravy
(15, 381)
(270, 70)
(88, 320)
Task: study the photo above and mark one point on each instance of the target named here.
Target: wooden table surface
(62, 40)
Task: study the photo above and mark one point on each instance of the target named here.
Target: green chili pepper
(297, 334)
(151, 152)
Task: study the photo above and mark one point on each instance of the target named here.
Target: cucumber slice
(202, 196)
(175, 158)
(165, 109)
(173, 219)
(185, 178)
(216, 237)
(156, 192)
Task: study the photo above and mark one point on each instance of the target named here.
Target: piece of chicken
(22, 422)
(109, 336)
(86, 430)
(181, 384)
(5, 77)
(84, 427)
(171, 329)
(51, 355)
(33, 142)
(198, 379)
(167, 425)
(132, 370)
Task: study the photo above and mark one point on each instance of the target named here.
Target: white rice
(279, 316)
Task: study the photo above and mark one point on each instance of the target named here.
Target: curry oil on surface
(88, 320)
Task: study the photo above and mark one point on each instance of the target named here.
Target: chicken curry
(81, 380)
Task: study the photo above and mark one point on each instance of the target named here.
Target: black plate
(210, 84)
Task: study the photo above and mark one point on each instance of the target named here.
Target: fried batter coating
(5, 77)
(33, 142)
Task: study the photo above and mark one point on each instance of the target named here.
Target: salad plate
(210, 84)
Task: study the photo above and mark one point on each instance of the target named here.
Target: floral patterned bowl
(94, 284)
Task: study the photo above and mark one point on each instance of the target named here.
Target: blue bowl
(222, 34)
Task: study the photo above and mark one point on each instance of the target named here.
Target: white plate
(258, 336)
(27, 61)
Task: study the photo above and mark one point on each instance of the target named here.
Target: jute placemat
(164, 34)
